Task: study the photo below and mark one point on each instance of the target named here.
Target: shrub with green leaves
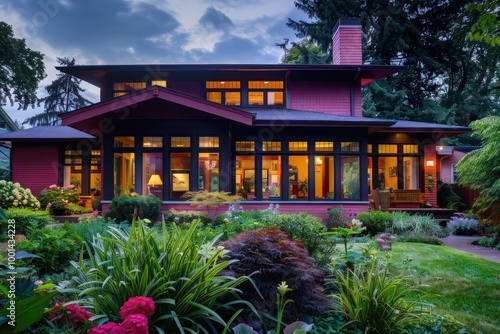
(404, 224)
(183, 276)
(374, 301)
(55, 193)
(56, 247)
(13, 195)
(375, 221)
(270, 256)
(26, 220)
(122, 208)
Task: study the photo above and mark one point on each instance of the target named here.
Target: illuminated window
(265, 93)
(124, 141)
(297, 146)
(387, 148)
(161, 83)
(222, 85)
(209, 142)
(180, 142)
(370, 148)
(214, 97)
(224, 92)
(245, 146)
(349, 146)
(410, 149)
(152, 142)
(323, 146)
(271, 146)
(122, 88)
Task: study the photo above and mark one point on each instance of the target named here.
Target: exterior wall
(430, 154)
(188, 87)
(346, 46)
(328, 97)
(446, 162)
(315, 209)
(34, 167)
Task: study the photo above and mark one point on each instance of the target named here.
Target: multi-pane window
(245, 146)
(349, 146)
(271, 146)
(124, 141)
(224, 92)
(268, 93)
(178, 142)
(161, 83)
(152, 142)
(122, 88)
(208, 142)
(323, 146)
(297, 146)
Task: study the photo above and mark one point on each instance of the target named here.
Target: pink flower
(71, 186)
(138, 305)
(76, 314)
(52, 186)
(134, 324)
(107, 328)
(38, 282)
(95, 213)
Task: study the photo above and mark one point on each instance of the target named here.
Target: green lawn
(461, 284)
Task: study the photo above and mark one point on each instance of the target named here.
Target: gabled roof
(127, 104)
(46, 133)
(5, 117)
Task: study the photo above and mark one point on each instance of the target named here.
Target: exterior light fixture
(429, 163)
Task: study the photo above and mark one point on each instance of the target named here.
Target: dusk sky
(96, 32)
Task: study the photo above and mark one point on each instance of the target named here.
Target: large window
(224, 92)
(298, 171)
(82, 170)
(268, 93)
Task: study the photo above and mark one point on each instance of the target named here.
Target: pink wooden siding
(447, 162)
(35, 168)
(328, 97)
(316, 209)
(430, 154)
(346, 46)
(188, 87)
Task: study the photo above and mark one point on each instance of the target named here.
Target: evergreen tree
(64, 94)
(21, 69)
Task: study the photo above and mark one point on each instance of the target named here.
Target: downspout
(352, 93)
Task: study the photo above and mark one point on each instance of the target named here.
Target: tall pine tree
(64, 94)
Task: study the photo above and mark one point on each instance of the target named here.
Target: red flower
(134, 324)
(76, 314)
(107, 328)
(138, 305)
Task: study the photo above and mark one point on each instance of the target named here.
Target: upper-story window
(224, 92)
(122, 88)
(3, 125)
(269, 93)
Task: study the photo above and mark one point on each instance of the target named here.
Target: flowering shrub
(55, 193)
(13, 195)
(61, 313)
(463, 224)
(385, 241)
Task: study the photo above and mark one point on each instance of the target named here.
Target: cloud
(215, 19)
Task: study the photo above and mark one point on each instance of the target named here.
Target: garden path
(464, 243)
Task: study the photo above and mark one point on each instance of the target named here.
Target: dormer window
(122, 88)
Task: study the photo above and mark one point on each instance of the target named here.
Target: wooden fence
(469, 196)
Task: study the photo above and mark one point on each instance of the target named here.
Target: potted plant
(96, 200)
(303, 187)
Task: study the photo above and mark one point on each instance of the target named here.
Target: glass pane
(124, 141)
(128, 86)
(233, 98)
(124, 173)
(214, 97)
(256, 98)
(410, 149)
(152, 142)
(370, 174)
(387, 173)
(411, 173)
(271, 176)
(73, 176)
(271, 146)
(297, 176)
(274, 98)
(152, 177)
(350, 177)
(180, 165)
(265, 84)
(161, 83)
(387, 148)
(323, 146)
(248, 146)
(223, 84)
(323, 177)
(245, 176)
(180, 142)
(208, 167)
(369, 148)
(349, 146)
(297, 146)
(209, 142)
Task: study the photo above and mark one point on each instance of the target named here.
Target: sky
(99, 32)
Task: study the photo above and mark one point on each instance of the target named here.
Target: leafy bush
(271, 257)
(26, 220)
(59, 208)
(56, 247)
(76, 209)
(375, 221)
(463, 224)
(404, 224)
(55, 193)
(374, 301)
(419, 238)
(487, 242)
(91, 227)
(447, 198)
(179, 217)
(184, 277)
(122, 208)
(13, 195)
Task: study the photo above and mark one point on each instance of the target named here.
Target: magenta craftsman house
(287, 134)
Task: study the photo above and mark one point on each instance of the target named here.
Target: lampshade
(155, 180)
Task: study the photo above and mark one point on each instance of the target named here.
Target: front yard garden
(242, 272)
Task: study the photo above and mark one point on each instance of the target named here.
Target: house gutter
(352, 92)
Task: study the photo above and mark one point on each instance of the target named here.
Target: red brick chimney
(346, 42)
